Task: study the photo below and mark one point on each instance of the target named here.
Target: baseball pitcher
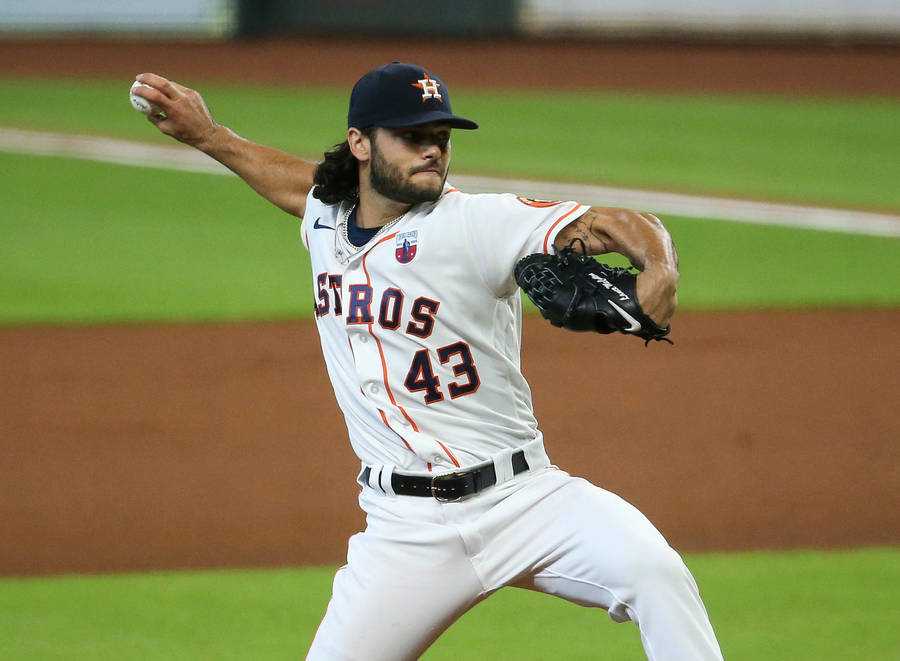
(416, 285)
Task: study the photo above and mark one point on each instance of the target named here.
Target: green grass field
(147, 244)
(805, 606)
(829, 151)
(101, 242)
(90, 242)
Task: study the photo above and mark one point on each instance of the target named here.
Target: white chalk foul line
(694, 206)
(177, 157)
(108, 150)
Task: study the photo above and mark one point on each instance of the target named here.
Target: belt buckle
(446, 476)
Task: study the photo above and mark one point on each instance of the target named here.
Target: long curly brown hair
(337, 176)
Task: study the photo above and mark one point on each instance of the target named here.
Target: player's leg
(405, 582)
(595, 549)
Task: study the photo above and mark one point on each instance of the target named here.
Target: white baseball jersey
(421, 327)
(421, 332)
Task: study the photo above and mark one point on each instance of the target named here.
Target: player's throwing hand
(184, 114)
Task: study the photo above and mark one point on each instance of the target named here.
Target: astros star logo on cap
(429, 88)
(383, 98)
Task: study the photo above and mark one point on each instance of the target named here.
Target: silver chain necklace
(345, 232)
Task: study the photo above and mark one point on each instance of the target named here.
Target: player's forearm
(283, 179)
(643, 239)
(182, 113)
(640, 237)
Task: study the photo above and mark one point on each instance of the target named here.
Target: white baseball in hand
(141, 104)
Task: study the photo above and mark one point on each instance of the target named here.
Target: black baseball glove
(577, 292)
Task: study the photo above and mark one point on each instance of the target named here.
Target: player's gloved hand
(576, 292)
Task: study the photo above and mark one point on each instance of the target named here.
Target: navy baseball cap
(401, 94)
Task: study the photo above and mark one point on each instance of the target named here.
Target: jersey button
(363, 338)
(374, 389)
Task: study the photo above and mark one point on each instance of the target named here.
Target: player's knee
(650, 577)
(660, 570)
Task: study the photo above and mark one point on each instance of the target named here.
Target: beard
(387, 180)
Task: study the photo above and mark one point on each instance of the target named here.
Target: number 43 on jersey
(421, 376)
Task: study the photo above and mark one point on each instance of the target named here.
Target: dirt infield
(130, 447)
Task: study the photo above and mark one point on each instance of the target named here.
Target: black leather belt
(450, 487)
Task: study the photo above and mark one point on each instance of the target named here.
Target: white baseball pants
(420, 564)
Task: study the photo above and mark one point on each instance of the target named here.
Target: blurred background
(833, 20)
(163, 402)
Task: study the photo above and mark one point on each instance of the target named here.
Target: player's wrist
(661, 272)
(213, 139)
(657, 292)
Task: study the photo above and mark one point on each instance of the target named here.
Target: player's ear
(360, 144)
